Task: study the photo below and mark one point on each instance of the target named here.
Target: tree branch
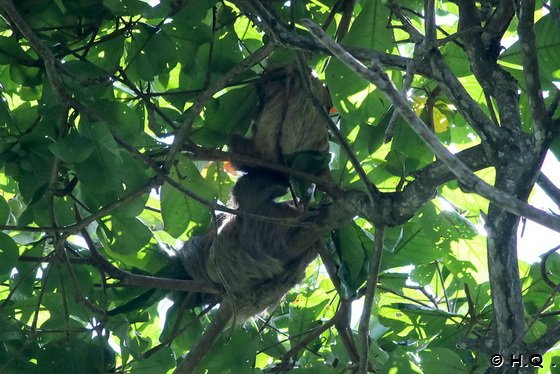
(376, 75)
(549, 188)
(371, 287)
(527, 39)
(494, 80)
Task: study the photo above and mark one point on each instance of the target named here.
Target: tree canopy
(114, 123)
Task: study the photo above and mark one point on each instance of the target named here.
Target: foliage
(112, 121)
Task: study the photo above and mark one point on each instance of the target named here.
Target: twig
(345, 332)
(415, 35)
(208, 154)
(471, 306)
(554, 104)
(414, 300)
(442, 281)
(376, 75)
(548, 301)
(371, 287)
(87, 220)
(210, 204)
(549, 188)
(408, 78)
(344, 312)
(311, 336)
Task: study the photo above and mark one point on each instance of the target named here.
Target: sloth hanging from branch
(290, 128)
(260, 254)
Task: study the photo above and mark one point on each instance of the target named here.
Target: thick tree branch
(497, 25)
(494, 80)
(376, 75)
(434, 67)
(527, 38)
(220, 320)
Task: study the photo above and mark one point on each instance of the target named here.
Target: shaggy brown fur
(288, 122)
(256, 261)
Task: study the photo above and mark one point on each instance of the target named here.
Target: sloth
(289, 121)
(255, 260)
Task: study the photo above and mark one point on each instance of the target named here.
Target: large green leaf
(9, 253)
(179, 211)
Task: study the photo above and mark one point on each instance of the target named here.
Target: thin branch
(528, 42)
(127, 278)
(371, 287)
(442, 282)
(345, 332)
(295, 222)
(87, 220)
(554, 104)
(434, 67)
(408, 78)
(414, 300)
(311, 335)
(492, 77)
(549, 188)
(210, 154)
(548, 340)
(78, 295)
(342, 323)
(415, 35)
(377, 75)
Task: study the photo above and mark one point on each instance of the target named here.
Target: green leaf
(441, 360)
(406, 141)
(150, 53)
(12, 53)
(129, 234)
(180, 211)
(106, 157)
(9, 254)
(352, 247)
(423, 274)
(228, 114)
(548, 50)
(127, 7)
(400, 361)
(235, 356)
(159, 362)
(4, 211)
(73, 149)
